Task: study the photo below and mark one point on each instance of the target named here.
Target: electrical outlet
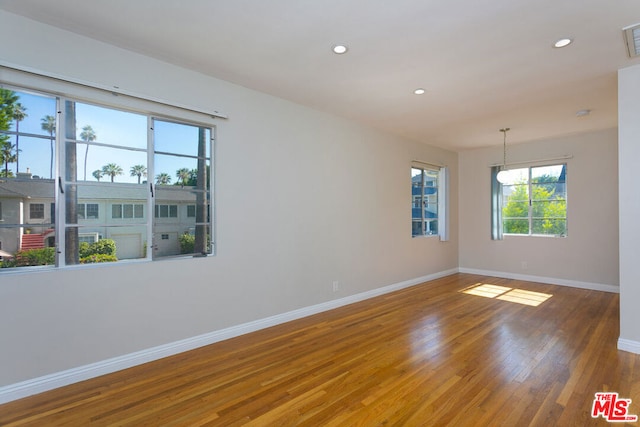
(336, 286)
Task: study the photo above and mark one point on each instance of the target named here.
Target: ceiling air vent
(632, 37)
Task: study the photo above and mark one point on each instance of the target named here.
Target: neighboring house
(113, 211)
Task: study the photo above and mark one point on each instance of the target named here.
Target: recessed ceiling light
(562, 43)
(340, 49)
(419, 91)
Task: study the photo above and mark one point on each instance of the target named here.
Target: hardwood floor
(426, 355)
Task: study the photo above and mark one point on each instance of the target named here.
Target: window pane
(417, 228)
(36, 211)
(116, 211)
(110, 126)
(26, 190)
(180, 138)
(138, 211)
(182, 180)
(556, 173)
(552, 226)
(92, 211)
(107, 164)
(29, 246)
(431, 227)
(35, 159)
(516, 226)
(127, 211)
(174, 170)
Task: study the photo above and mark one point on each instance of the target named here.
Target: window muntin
(534, 201)
(95, 139)
(424, 201)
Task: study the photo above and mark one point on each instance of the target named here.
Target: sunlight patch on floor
(504, 293)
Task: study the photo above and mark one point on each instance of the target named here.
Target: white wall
(588, 256)
(303, 198)
(629, 163)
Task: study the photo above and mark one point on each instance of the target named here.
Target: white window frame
(442, 194)
(530, 217)
(17, 80)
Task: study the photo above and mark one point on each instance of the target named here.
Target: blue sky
(112, 127)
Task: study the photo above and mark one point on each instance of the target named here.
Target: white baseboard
(81, 373)
(551, 280)
(628, 345)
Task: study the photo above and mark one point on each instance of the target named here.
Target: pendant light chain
(504, 147)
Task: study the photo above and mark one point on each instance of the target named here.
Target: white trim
(81, 373)
(114, 90)
(628, 345)
(550, 280)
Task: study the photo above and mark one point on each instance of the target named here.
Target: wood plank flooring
(429, 355)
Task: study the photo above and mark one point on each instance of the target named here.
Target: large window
(84, 159)
(534, 201)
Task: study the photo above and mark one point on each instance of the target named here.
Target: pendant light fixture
(503, 175)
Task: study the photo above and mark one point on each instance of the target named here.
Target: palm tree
(139, 171)
(8, 100)
(97, 174)
(183, 175)
(7, 155)
(112, 170)
(88, 135)
(48, 123)
(19, 114)
(163, 179)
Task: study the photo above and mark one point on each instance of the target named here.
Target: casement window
(531, 201)
(81, 154)
(428, 201)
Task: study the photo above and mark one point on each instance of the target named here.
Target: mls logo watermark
(612, 408)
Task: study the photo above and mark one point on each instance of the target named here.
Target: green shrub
(101, 247)
(43, 256)
(93, 258)
(83, 250)
(187, 243)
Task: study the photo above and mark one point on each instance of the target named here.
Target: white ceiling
(484, 64)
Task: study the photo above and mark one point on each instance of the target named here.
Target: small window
(166, 211)
(87, 211)
(191, 211)
(36, 211)
(424, 201)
